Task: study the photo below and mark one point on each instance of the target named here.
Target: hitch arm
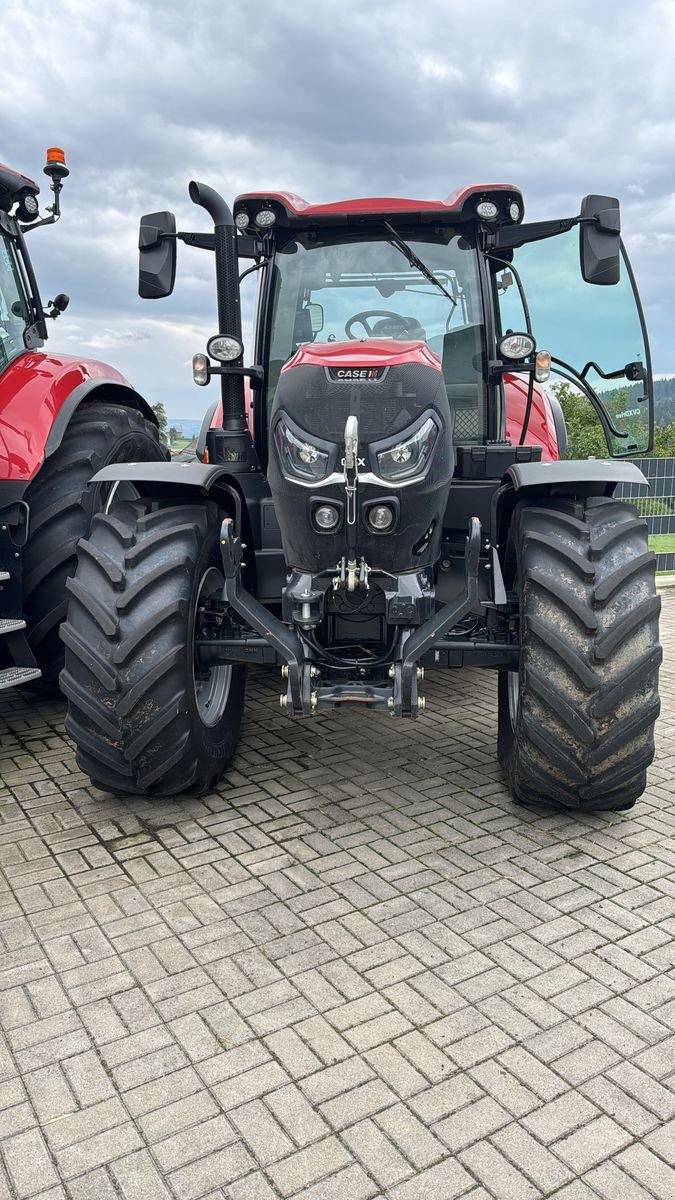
(284, 640)
(427, 635)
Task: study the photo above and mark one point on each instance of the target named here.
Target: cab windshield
(13, 308)
(340, 288)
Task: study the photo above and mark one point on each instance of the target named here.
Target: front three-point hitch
(313, 680)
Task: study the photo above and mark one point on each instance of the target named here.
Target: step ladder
(14, 676)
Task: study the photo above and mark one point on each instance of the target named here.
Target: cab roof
(460, 205)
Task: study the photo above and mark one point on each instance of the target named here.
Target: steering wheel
(394, 326)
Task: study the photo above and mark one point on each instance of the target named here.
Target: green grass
(662, 543)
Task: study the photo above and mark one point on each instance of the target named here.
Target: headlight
(516, 346)
(487, 210)
(225, 347)
(409, 457)
(265, 218)
(298, 456)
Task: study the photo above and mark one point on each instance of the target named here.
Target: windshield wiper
(417, 262)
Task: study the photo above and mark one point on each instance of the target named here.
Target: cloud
(559, 97)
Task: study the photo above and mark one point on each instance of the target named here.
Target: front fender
(177, 481)
(38, 395)
(584, 472)
(573, 477)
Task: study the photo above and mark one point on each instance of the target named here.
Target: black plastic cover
(490, 462)
(318, 407)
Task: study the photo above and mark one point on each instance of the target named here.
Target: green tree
(174, 434)
(585, 438)
(664, 440)
(584, 431)
(160, 412)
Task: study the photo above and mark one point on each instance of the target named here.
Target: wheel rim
(212, 690)
(514, 693)
(514, 676)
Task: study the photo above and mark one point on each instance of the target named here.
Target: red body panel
(32, 390)
(366, 353)
(298, 209)
(541, 426)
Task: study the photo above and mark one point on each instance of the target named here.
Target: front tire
(576, 725)
(62, 506)
(142, 717)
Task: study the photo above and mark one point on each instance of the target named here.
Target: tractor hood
(355, 427)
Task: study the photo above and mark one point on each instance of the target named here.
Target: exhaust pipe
(228, 298)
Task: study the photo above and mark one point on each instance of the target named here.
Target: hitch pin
(351, 466)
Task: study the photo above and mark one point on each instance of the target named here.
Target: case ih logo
(366, 374)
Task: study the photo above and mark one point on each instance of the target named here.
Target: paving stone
(216, 1170)
(250, 1085)
(410, 1136)
(173, 1118)
(197, 1141)
(95, 1151)
(377, 1153)
(648, 1170)
(28, 1163)
(333, 1081)
(560, 1117)
(442, 1182)
(49, 1092)
(262, 1134)
(297, 1116)
(610, 1182)
(525, 1152)
(471, 1124)
(137, 1178)
(351, 1181)
(361, 1101)
(309, 1165)
(497, 1173)
(597, 1140)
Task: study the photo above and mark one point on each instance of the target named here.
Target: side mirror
(156, 255)
(600, 240)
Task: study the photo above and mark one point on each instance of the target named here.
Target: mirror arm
(247, 246)
(203, 241)
(593, 366)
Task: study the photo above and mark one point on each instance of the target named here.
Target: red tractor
(61, 419)
(382, 493)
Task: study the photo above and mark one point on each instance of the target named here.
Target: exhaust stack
(235, 447)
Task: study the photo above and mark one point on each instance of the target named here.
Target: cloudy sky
(328, 99)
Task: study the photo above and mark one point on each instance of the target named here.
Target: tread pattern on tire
(588, 696)
(128, 671)
(61, 507)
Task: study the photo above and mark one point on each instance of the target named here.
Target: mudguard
(582, 471)
(191, 480)
(39, 393)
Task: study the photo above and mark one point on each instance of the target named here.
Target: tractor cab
(460, 275)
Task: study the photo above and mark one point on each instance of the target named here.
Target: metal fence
(657, 505)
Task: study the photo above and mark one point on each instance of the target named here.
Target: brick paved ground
(355, 971)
